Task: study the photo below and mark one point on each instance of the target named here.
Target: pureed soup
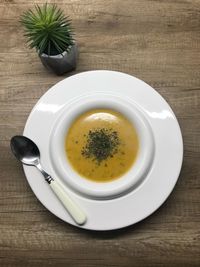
(101, 145)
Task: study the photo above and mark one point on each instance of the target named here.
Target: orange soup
(101, 145)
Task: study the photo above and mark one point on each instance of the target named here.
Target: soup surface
(101, 145)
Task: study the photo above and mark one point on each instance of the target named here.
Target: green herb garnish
(101, 144)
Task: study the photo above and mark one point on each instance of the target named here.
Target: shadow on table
(112, 234)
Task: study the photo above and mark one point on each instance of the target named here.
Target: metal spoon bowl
(25, 150)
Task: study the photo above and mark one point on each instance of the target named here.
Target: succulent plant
(47, 29)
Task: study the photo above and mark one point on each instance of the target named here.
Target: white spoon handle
(76, 213)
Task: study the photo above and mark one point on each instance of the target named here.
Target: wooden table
(157, 41)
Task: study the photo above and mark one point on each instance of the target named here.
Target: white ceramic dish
(126, 182)
(156, 180)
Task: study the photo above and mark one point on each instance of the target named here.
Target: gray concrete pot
(61, 63)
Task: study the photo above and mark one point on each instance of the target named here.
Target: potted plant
(49, 31)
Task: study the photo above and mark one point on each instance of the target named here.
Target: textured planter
(61, 63)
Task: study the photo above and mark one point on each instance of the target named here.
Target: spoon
(28, 153)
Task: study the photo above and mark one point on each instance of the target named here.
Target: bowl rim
(101, 190)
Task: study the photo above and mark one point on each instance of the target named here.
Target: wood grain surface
(157, 41)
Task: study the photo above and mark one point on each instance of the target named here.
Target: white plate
(158, 183)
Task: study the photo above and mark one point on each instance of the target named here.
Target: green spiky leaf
(47, 29)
